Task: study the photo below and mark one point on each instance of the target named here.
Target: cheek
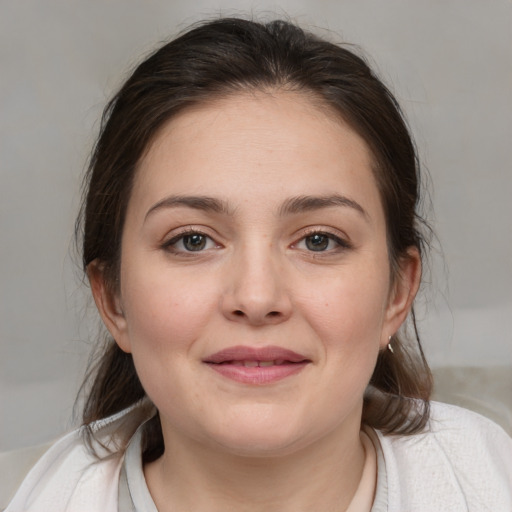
(165, 313)
(347, 308)
(348, 318)
(166, 319)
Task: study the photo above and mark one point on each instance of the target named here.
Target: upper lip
(243, 353)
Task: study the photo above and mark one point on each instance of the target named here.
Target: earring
(390, 348)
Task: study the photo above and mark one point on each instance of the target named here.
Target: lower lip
(258, 375)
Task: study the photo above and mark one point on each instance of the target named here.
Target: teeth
(254, 364)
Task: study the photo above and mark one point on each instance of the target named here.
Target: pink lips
(256, 365)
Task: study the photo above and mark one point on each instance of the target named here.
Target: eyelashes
(191, 241)
(322, 241)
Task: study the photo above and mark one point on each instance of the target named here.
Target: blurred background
(450, 65)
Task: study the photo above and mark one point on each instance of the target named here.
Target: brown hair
(215, 59)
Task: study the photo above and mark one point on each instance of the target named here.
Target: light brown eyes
(317, 242)
(191, 241)
(196, 241)
(322, 242)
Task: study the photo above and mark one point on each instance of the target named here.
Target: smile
(254, 363)
(256, 366)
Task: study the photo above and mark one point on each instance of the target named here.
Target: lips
(256, 365)
(251, 363)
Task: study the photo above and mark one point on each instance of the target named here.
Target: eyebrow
(302, 204)
(291, 206)
(204, 203)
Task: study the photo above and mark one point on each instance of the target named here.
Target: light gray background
(449, 63)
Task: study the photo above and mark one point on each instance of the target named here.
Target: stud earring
(390, 348)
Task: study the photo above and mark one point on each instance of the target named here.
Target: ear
(403, 291)
(108, 303)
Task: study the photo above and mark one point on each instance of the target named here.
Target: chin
(259, 438)
(261, 446)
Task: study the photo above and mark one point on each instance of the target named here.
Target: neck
(321, 476)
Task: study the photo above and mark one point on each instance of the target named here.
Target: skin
(292, 444)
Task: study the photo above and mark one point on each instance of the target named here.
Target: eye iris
(194, 242)
(317, 242)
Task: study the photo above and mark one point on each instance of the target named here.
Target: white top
(462, 463)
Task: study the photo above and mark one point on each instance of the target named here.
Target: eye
(190, 242)
(322, 242)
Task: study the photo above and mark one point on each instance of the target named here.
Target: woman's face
(255, 285)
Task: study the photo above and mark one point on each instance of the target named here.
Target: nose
(256, 292)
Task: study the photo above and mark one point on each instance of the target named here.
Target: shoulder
(63, 473)
(474, 445)
(72, 476)
(462, 429)
(462, 460)
(14, 466)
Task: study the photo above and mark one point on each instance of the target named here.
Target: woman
(252, 242)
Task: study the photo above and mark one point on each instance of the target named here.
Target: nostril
(238, 313)
(273, 313)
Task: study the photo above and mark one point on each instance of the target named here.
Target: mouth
(253, 363)
(256, 366)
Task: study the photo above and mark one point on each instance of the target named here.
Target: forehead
(255, 142)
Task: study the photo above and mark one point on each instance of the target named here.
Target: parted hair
(213, 60)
